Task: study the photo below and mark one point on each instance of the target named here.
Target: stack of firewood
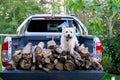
(32, 57)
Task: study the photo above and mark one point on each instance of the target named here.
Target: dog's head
(68, 33)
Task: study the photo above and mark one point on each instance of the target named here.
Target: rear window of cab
(50, 25)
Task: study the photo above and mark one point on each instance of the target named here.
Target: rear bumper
(53, 75)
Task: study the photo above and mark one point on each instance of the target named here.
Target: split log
(70, 57)
(39, 48)
(17, 52)
(59, 50)
(51, 44)
(55, 61)
(27, 49)
(16, 56)
(82, 49)
(47, 60)
(78, 63)
(26, 56)
(59, 66)
(76, 55)
(33, 54)
(25, 64)
(69, 65)
(46, 53)
(87, 64)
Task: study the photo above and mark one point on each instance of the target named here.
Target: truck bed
(21, 41)
(53, 75)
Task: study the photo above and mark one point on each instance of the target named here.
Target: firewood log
(83, 63)
(51, 44)
(82, 49)
(55, 56)
(39, 48)
(25, 64)
(69, 65)
(42, 61)
(55, 61)
(32, 68)
(38, 59)
(87, 64)
(46, 53)
(16, 56)
(33, 54)
(62, 59)
(59, 66)
(17, 52)
(50, 66)
(86, 56)
(47, 60)
(78, 63)
(96, 65)
(59, 50)
(10, 65)
(27, 49)
(76, 55)
(43, 68)
(51, 57)
(69, 57)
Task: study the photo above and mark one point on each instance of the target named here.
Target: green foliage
(107, 65)
(111, 48)
(102, 18)
(108, 77)
(7, 28)
(13, 12)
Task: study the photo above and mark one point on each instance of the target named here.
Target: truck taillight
(4, 53)
(99, 52)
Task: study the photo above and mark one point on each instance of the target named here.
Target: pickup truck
(45, 27)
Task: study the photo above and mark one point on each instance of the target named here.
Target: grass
(108, 77)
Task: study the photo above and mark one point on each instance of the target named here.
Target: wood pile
(52, 58)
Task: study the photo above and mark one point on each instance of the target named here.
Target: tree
(97, 14)
(13, 12)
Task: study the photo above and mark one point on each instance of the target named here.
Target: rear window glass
(49, 25)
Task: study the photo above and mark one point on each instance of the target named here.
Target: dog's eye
(66, 31)
(71, 31)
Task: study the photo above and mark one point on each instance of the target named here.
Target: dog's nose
(68, 35)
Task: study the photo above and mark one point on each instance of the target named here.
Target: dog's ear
(75, 29)
(63, 28)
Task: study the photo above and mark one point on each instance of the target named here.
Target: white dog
(69, 39)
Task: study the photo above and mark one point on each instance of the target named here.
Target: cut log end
(59, 66)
